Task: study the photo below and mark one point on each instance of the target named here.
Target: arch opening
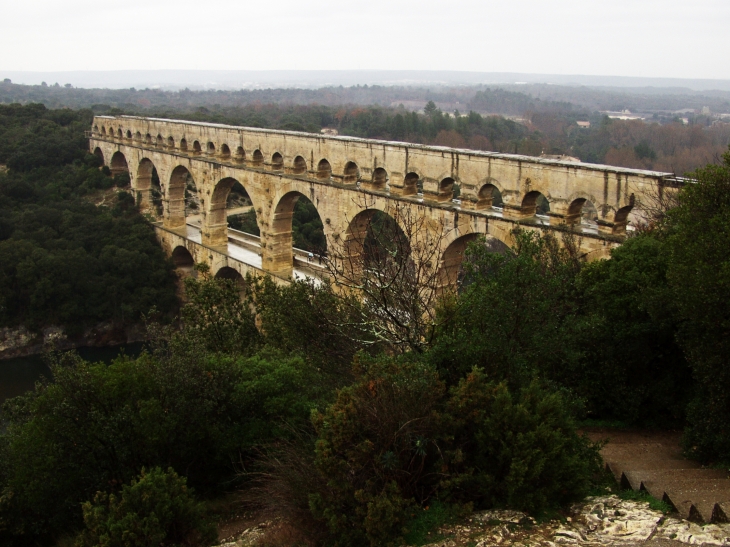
(277, 162)
(148, 139)
(120, 134)
(380, 178)
(225, 152)
(196, 148)
(210, 148)
(411, 184)
(296, 232)
(240, 154)
(148, 187)
(129, 134)
(170, 142)
(258, 157)
(232, 275)
(489, 196)
(583, 213)
(447, 189)
(159, 140)
(182, 258)
(119, 164)
(138, 136)
(324, 170)
(299, 166)
(376, 248)
(240, 212)
(535, 204)
(99, 154)
(183, 144)
(451, 268)
(182, 197)
(351, 174)
(103, 130)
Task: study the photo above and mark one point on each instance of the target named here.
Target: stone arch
(147, 186)
(299, 165)
(103, 130)
(534, 203)
(489, 196)
(277, 162)
(410, 184)
(210, 148)
(196, 147)
(99, 154)
(171, 142)
(95, 129)
(379, 178)
(452, 259)
(446, 189)
(118, 163)
(148, 139)
(175, 193)
(351, 174)
(225, 152)
(231, 274)
(215, 231)
(182, 258)
(324, 170)
(160, 140)
(240, 155)
(183, 144)
(138, 136)
(621, 219)
(280, 240)
(120, 134)
(129, 134)
(257, 158)
(581, 209)
(372, 237)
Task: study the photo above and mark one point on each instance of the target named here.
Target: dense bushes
(697, 235)
(63, 260)
(155, 510)
(398, 438)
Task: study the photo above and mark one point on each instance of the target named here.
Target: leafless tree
(390, 266)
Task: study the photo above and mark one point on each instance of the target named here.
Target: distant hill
(258, 79)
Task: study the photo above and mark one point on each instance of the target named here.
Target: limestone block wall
(343, 177)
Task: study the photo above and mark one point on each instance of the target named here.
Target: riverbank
(22, 342)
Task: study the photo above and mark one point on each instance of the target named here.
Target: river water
(20, 374)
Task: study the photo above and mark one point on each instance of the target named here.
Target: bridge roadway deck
(242, 252)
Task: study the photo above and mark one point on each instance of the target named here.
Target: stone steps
(654, 463)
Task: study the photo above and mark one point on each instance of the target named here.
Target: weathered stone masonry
(346, 178)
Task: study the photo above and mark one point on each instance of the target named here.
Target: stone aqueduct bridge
(348, 179)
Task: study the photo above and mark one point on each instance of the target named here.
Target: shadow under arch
(233, 275)
(534, 203)
(451, 267)
(296, 223)
(177, 195)
(373, 240)
(182, 259)
(227, 192)
(147, 186)
(240, 211)
(489, 196)
(99, 154)
(582, 212)
(118, 163)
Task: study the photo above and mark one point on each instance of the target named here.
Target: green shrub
(517, 450)
(397, 439)
(155, 510)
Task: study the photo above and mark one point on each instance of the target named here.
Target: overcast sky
(660, 38)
